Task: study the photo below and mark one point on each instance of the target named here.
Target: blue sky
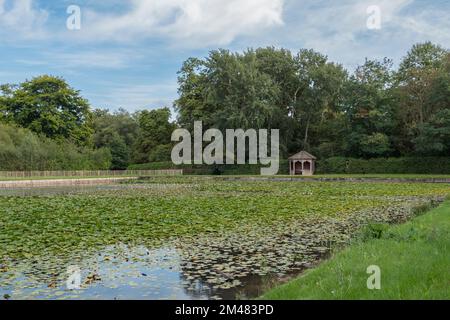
(127, 52)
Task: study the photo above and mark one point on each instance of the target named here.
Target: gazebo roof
(302, 155)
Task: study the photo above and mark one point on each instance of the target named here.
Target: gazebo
(302, 163)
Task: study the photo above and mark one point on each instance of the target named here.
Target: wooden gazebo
(302, 163)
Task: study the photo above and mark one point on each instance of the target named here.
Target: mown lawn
(414, 260)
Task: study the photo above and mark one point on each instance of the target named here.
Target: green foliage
(417, 165)
(422, 90)
(160, 153)
(372, 231)
(368, 107)
(375, 112)
(117, 131)
(375, 145)
(119, 153)
(48, 105)
(154, 137)
(22, 149)
(247, 169)
(434, 137)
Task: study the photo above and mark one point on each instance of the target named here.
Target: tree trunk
(306, 133)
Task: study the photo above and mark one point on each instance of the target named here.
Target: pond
(235, 263)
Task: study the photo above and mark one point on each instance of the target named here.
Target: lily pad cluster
(224, 236)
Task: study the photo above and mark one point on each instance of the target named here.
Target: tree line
(374, 111)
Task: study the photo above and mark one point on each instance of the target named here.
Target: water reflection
(115, 273)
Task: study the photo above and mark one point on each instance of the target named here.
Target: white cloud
(202, 22)
(89, 59)
(339, 28)
(135, 97)
(22, 19)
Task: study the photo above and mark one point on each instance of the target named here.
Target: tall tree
(117, 131)
(319, 87)
(369, 107)
(155, 130)
(48, 105)
(416, 76)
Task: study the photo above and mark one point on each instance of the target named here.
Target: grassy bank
(414, 259)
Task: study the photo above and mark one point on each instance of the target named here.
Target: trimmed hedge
(337, 165)
(246, 169)
(425, 165)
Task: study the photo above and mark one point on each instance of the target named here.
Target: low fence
(61, 182)
(90, 173)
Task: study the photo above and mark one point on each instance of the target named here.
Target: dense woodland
(375, 111)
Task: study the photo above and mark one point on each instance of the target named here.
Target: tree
(117, 131)
(434, 137)
(369, 107)
(417, 78)
(319, 87)
(48, 105)
(120, 154)
(155, 129)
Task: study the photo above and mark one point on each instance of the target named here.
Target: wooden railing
(90, 173)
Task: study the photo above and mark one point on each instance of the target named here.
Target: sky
(126, 53)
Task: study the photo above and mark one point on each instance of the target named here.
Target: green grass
(414, 259)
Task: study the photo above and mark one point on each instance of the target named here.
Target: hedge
(337, 165)
(246, 169)
(413, 165)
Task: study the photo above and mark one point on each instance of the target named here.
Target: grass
(414, 259)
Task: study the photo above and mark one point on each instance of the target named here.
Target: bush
(372, 231)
